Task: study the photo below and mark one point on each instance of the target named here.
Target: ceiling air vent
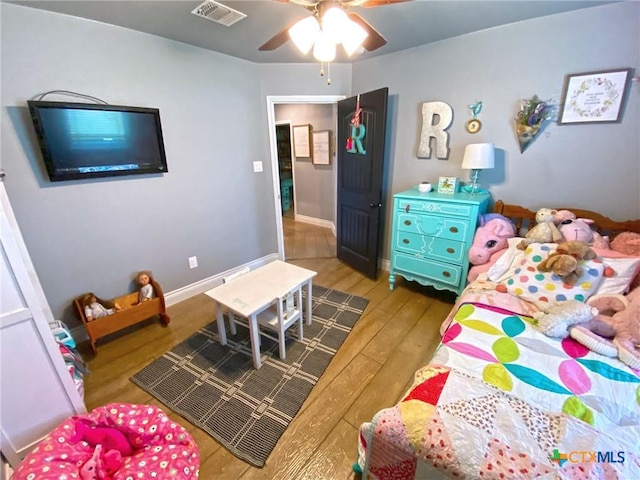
(216, 12)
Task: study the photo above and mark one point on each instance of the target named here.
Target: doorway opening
(285, 168)
(272, 101)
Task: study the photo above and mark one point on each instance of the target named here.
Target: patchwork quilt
(502, 400)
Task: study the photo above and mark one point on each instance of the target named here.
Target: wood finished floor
(303, 240)
(397, 333)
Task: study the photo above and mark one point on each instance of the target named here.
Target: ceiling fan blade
(374, 40)
(276, 41)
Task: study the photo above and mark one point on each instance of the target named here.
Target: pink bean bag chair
(135, 441)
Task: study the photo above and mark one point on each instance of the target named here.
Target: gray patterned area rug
(247, 410)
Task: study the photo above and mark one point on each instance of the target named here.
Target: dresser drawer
(424, 267)
(432, 247)
(443, 208)
(434, 226)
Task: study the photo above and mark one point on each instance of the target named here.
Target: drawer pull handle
(405, 240)
(450, 250)
(406, 209)
(446, 274)
(407, 222)
(453, 229)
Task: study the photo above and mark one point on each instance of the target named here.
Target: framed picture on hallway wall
(322, 147)
(302, 140)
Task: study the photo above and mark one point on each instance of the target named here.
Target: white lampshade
(305, 33)
(352, 37)
(478, 156)
(334, 22)
(324, 49)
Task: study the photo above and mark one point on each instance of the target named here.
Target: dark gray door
(360, 169)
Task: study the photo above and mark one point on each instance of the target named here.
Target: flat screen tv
(84, 140)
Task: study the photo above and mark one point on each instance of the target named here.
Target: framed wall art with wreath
(594, 97)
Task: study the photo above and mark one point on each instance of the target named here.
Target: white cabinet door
(36, 390)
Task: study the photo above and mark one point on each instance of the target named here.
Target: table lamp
(478, 156)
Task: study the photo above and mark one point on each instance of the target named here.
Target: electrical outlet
(193, 262)
(257, 166)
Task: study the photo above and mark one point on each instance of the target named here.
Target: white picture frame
(322, 147)
(302, 140)
(594, 97)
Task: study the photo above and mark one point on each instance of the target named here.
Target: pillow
(625, 269)
(505, 265)
(542, 288)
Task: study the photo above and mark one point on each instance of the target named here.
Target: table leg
(255, 340)
(309, 290)
(222, 333)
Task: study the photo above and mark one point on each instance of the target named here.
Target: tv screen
(83, 140)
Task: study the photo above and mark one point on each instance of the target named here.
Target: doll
(145, 281)
(97, 308)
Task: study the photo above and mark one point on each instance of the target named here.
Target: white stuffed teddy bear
(555, 320)
(545, 230)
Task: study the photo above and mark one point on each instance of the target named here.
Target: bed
(499, 399)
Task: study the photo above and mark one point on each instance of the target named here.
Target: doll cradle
(132, 313)
(162, 448)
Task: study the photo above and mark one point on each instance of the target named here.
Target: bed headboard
(524, 219)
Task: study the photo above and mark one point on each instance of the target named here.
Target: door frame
(272, 101)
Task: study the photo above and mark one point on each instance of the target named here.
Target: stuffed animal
(92, 468)
(565, 260)
(101, 466)
(629, 244)
(489, 243)
(580, 229)
(622, 327)
(556, 320)
(109, 438)
(544, 231)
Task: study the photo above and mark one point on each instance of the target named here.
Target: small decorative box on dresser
(431, 236)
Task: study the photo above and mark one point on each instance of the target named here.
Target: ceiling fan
(314, 26)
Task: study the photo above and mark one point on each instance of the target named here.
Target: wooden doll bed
(132, 313)
(501, 400)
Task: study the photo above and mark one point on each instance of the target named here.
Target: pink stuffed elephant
(489, 243)
(622, 327)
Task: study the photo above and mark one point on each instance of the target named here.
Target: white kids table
(253, 292)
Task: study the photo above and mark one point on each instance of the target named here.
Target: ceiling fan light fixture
(305, 33)
(352, 37)
(334, 23)
(324, 49)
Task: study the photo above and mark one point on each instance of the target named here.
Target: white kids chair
(277, 318)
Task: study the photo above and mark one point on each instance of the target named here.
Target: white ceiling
(404, 25)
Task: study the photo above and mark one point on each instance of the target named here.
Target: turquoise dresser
(431, 236)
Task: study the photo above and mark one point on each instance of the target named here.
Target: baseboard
(385, 264)
(6, 472)
(316, 221)
(176, 296)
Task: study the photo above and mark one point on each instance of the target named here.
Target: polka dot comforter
(501, 400)
(163, 449)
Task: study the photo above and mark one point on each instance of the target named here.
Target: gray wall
(94, 235)
(314, 184)
(591, 166)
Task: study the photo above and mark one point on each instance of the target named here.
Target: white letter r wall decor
(433, 127)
